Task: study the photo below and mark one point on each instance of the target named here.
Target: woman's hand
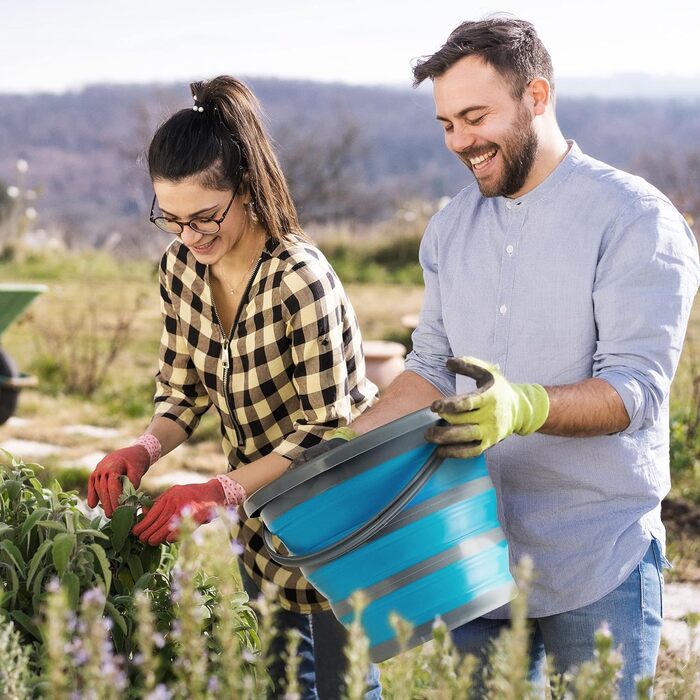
(105, 483)
(199, 501)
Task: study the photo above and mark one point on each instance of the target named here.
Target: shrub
(46, 536)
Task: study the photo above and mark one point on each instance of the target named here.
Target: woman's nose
(189, 236)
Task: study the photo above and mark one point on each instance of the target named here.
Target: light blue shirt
(591, 274)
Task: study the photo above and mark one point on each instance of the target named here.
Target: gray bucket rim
(375, 441)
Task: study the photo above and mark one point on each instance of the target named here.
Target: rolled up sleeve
(431, 348)
(646, 280)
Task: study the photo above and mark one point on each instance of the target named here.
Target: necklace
(234, 290)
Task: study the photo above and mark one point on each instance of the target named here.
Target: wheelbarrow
(14, 299)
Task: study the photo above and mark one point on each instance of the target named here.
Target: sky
(58, 45)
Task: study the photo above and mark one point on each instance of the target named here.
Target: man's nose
(461, 138)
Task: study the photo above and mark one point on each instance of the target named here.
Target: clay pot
(383, 360)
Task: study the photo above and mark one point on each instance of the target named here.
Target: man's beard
(518, 151)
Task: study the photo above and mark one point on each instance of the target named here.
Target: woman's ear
(244, 189)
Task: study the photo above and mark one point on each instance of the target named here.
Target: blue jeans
(633, 612)
(321, 653)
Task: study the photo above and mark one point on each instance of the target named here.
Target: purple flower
(160, 692)
(93, 596)
(236, 548)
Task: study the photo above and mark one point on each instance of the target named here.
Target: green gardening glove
(484, 417)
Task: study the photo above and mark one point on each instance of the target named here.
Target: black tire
(8, 395)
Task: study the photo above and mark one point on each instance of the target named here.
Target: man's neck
(551, 151)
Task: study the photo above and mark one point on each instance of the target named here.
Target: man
(557, 269)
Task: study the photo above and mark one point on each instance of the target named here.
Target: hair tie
(195, 107)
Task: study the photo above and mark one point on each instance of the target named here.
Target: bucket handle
(365, 531)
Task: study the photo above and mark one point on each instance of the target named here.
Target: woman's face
(186, 199)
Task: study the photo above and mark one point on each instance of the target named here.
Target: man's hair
(510, 45)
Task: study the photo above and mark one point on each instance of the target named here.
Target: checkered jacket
(292, 369)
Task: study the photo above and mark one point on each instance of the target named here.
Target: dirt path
(83, 446)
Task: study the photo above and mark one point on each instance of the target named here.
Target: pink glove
(199, 501)
(105, 484)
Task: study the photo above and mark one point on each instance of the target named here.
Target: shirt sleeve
(180, 394)
(431, 347)
(646, 279)
(313, 308)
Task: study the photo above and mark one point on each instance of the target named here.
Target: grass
(123, 401)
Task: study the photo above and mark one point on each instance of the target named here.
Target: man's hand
(105, 483)
(484, 417)
(199, 501)
(338, 437)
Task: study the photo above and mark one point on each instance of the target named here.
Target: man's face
(491, 132)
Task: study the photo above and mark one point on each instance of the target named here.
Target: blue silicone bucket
(383, 514)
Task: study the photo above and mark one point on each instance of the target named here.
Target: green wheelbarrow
(14, 299)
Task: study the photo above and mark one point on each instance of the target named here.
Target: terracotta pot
(383, 360)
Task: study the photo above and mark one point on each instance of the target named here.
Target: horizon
(622, 85)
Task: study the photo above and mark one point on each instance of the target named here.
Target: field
(92, 341)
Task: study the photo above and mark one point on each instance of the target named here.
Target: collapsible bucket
(383, 514)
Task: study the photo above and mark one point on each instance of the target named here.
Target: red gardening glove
(105, 483)
(161, 521)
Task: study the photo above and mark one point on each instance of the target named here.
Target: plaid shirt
(291, 370)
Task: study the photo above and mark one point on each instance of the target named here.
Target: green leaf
(26, 622)
(36, 588)
(92, 533)
(71, 584)
(31, 521)
(52, 525)
(135, 566)
(14, 553)
(116, 616)
(13, 488)
(37, 558)
(128, 489)
(150, 557)
(144, 581)
(63, 546)
(4, 528)
(103, 563)
(126, 579)
(14, 590)
(123, 520)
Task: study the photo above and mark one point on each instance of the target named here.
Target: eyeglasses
(198, 224)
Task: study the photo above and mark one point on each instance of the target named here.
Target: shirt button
(503, 308)
(509, 204)
(509, 249)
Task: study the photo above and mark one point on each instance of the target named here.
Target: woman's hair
(220, 140)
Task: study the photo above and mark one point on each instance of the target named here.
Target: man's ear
(539, 92)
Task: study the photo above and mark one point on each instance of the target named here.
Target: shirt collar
(550, 183)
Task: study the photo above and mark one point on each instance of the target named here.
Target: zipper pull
(224, 353)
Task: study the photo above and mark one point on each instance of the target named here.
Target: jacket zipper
(226, 347)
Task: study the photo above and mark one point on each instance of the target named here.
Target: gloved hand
(105, 483)
(336, 438)
(484, 417)
(199, 501)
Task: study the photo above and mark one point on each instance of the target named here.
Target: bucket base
(453, 619)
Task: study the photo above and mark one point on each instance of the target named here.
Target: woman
(257, 324)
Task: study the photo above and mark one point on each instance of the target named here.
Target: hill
(350, 152)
